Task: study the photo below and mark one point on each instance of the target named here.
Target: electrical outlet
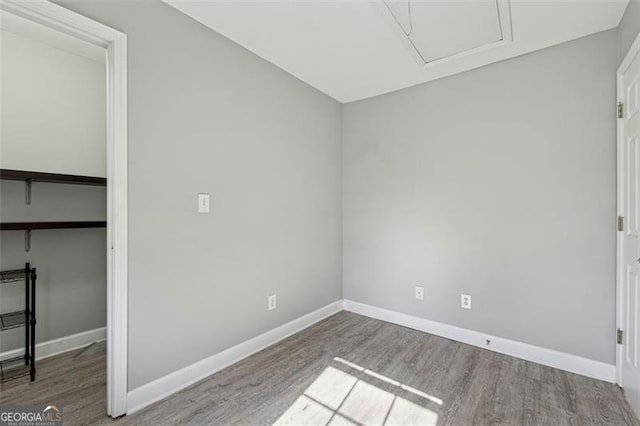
(419, 292)
(465, 301)
(203, 203)
(272, 302)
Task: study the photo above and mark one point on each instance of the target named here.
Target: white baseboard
(62, 344)
(161, 388)
(549, 357)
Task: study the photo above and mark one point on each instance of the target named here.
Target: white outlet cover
(465, 301)
(272, 302)
(203, 203)
(419, 292)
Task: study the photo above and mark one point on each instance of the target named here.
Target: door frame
(115, 42)
(634, 50)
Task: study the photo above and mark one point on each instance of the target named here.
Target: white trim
(168, 385)
(117, 237)
(115, 42)
(62, 344)
(634, 50)
(564, 361)
(171, 383)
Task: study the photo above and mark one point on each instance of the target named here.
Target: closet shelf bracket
(27, 240)
(27, 189)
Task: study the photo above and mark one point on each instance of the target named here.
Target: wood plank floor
(348, 369)
(75, 380)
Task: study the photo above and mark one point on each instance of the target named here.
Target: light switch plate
(203, 203)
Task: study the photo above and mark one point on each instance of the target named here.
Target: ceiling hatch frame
(504, 19)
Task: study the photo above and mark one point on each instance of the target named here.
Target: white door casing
(115, 42)
(628, 280)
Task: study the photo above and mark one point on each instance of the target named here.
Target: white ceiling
(435, 30)
(355, 49)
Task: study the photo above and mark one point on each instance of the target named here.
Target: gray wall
(499, 183)
(71, 264)
(629, 27)
(53, 108)
(205, 115)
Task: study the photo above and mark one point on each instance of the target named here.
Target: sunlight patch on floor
(391, 381)
(306, 411)
(338, 397)
(367, 404)
(331, 387)
(405, 412)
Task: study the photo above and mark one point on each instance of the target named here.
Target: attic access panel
(436, 31)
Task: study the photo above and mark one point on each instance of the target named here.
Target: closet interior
(53, 186)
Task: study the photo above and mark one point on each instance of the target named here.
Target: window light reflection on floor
(338, 397)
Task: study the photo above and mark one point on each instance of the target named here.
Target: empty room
(320, 212)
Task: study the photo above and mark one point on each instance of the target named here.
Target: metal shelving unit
(13, 368)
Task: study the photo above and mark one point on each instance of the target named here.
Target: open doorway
(53, 209)
(63, 208)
